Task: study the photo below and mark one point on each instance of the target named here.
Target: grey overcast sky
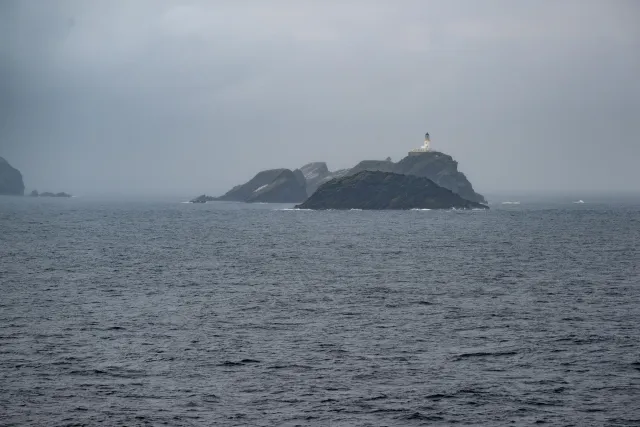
(196, 96)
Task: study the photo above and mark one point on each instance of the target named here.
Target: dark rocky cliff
(317, 173)
(10, 180)
(270, 186)
(241, 193)
(372, 165)
(385, 190)
(438, 167)
(441, 169)
(314, 173)
(288, 187)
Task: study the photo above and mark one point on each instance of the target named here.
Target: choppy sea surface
(162, 313)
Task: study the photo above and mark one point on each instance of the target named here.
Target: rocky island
(438, 167)
(35, 193)
(385, 190)
(294, 186)
(424, 162)
(203, 199)
(10, 180)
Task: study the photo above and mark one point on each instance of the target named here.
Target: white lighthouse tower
(426, 146)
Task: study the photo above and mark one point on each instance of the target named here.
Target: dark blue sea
(157, 312)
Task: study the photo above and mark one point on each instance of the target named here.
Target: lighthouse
(426, 146)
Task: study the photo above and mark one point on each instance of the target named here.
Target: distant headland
(10, 180)
(11, 183)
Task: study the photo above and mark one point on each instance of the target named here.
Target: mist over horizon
(182, 98)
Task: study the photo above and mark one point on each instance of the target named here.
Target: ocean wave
(484, 354)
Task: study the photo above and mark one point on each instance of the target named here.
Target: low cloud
(196, 96)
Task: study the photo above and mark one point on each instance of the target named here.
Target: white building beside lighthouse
(426, 146)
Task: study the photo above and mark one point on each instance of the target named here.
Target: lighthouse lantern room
(426, 146)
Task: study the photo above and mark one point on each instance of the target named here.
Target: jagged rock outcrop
(438, 167)
(241, 193)
(443, 170)
(372, 165)
(270, 186)
(314, 173)
(300, 177)
(317, 173)
(203, 199)
(288, 187)
(48, 194)
(35, 193)
(385, 190)
(11, 182)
